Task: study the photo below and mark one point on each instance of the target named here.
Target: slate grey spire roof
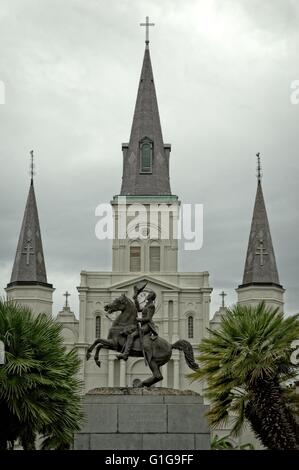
(260, 265)
(29, 265)
(146, 124)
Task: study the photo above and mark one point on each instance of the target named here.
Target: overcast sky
(223, 72)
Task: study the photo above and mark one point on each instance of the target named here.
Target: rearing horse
(158, 352)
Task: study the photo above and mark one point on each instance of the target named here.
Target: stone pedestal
(136, 419)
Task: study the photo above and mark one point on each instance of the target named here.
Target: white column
(123, 372)
(175, 334)
(144, 257)
(206, 298)
(81, 373)
(164, 373)
(110, 369)
(82, 316)
(176, 373)
(165, 318)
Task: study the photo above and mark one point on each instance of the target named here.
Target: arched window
(135, 259)
(154, 252)
(146, 156)
(190, 327)
(98, 326)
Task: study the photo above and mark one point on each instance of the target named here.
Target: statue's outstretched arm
(137, 290)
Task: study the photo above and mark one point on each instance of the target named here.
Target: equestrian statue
(136, 335)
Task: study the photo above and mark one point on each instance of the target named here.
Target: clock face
(145, 231)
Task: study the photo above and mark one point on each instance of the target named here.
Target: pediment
(151, 280)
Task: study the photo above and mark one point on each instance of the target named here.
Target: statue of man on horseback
(145, 325)
(133, 336)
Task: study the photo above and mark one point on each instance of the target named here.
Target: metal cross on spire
(66, 295)
(259, 167)
(147, 24)
(28, 250)
(31, 165)
(223, 295)
(261, 251)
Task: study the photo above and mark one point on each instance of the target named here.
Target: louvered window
(154, 258)
(135, 258)
(146, 156)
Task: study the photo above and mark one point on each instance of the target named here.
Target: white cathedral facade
(183, 298)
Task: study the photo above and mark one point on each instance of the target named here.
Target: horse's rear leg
(156, 377)
(106, 344)
(91, 347)
(96, 356)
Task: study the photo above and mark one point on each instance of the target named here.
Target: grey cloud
(71, 71)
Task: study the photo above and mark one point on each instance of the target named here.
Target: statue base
(141, 418)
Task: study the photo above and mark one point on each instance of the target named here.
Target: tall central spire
(146, 157)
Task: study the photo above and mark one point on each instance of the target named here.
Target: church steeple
(29, 264)
(260, 264)
(260, 278)
(28, 284)
(146, 157)
(146, 181)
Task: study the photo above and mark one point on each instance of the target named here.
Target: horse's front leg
(106, 344)
(91, 347)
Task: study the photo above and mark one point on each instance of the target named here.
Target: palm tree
(39, 389)
(246, 364)
(224, 443)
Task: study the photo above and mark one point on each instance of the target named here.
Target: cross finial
(32, 165)
(147, 24)
(66, 295)
(223, 295)
(259, 167)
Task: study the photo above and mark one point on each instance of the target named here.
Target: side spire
(260, 264)
(146, 157)
(29, 265)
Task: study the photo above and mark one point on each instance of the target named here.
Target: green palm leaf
(39, 389)
(245, 365)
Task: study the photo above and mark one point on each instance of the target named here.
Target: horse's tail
(187, 349)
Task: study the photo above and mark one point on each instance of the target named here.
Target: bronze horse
(157, 352)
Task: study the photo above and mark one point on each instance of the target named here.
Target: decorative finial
(223, 295)
(66, 295)
(32, 166)
(259, 167)
(147, 24)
